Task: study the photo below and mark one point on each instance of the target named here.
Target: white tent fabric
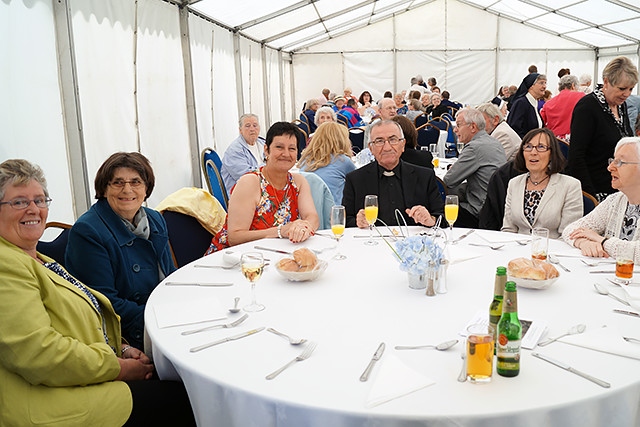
(81, 79)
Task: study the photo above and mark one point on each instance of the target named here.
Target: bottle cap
(501, 271)
(510, 286)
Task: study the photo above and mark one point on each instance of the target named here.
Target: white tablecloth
(365, 300)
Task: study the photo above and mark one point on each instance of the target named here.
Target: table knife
(628, 313)
(197, 284)
(278, 251)
(608, 271)
(572, 370)
(463, 236)
(227, 339)
(376, 356)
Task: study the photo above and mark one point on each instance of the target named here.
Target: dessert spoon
(577, 329)
(440, 347)
(603, 291)
(492, 247)
(235, 308)
(292, 341)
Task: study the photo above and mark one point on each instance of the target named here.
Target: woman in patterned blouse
(613, 224)
(542, 197)
(270, 202)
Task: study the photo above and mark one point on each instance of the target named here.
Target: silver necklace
(536, 183)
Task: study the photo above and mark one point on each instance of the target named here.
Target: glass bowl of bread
(532, 273)
(303, 267)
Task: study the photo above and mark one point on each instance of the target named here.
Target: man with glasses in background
(481, 156)
(399, 185)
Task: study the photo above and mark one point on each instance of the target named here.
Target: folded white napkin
(230, 258)
(606, 340)
(457, 254)
(395, 379)
(199, 310)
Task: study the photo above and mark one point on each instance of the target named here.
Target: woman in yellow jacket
(62, 360)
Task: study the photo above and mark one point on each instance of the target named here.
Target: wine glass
(451, 211)
(252, 264)
(371, 213)
(338, 221)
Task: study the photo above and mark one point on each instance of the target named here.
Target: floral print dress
(274, 208)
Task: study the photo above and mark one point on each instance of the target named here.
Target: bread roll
(306, 259)
(288, 264)
(526, 268)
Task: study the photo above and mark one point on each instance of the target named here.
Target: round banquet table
(365, 300)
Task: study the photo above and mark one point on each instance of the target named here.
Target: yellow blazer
(55, 367)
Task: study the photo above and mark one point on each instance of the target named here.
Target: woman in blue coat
(120, 247)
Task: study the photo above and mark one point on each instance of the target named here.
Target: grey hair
(414, 81)
(325, 110)
(20, 172)
(540, 77)
(384, 122)
(311, 102)
(491, 110)
(246, 116)
(471, 115)
(629, 140)
(585, 79)
(568, 81)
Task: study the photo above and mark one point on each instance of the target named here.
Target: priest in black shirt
(399, 185)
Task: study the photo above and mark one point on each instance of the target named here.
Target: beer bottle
(495, 308)
(509, 334)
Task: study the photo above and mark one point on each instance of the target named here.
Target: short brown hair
(556, 158)
(408, 130)
(135, 161)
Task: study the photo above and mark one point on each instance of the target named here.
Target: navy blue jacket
(522, 117)
(105, 255)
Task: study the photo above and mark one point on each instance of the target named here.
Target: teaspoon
(556, 261)
(577, 329)
(235, 308)
(440, 347)
(603, 291)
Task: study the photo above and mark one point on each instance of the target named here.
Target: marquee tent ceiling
(294, 25)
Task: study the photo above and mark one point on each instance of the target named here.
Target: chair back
(356, 136)
(564, 147)
(420, 120)
(187, 238)
(449, 116)
(303, 138)
(442, 188)
(57, 247)
(342, 119)
(428, 134)
(212, 167)
(588, 202)
(322, 198)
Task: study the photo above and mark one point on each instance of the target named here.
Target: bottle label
(508, 353)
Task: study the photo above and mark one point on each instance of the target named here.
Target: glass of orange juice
(451, 211)
(338, 221)
(371, 213)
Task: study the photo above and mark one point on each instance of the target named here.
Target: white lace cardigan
(606, 220)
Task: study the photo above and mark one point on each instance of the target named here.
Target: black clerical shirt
(391, 196)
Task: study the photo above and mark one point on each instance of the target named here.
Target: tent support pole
(192, 122)
(265, 85)
(72, 115)
(238, 61)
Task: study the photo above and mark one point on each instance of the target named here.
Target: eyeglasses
(120, 183)
(392, 140)
(618, 163)
(539, 148)
(22, 203)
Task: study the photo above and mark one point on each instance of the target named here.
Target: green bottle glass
(495, 308)
(509, 334)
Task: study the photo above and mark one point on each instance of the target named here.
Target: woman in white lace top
(613, 223)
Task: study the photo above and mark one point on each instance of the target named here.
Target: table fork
(302, 356)
(492, 247)
(225, 325)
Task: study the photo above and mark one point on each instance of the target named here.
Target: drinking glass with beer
(539, 243)
(624, 263)
(480, 343)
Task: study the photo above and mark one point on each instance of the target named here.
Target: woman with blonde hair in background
(328, 155)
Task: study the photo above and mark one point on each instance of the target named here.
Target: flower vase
(417, 281)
